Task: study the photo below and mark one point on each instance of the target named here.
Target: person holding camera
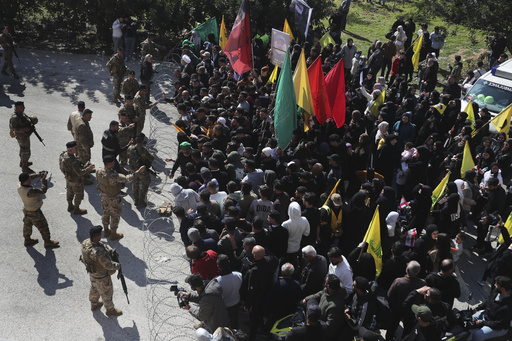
(97, 257)
(32, 202)
(209, 307)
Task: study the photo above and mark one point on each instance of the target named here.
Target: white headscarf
(382, 131)
(459, 183)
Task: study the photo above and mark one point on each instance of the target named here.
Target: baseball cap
(336, 199)
(422, 311)
(186, 144)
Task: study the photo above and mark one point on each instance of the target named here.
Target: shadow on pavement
(112, 331)
(48, 277)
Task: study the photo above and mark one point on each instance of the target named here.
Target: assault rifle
(115, 258)
(28, 120)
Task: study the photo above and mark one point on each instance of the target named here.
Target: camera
(182, 302)
(42, 173)
(493, 219)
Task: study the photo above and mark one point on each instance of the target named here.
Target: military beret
(95, 231)
(143, 87)
(140, 135)
(71, 144)
(132, 72)
(19, 104)
(122, 112)
(120, 48)
(108, 159)
(128, 97)
(24, 177)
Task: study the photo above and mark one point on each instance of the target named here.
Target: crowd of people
(269, 227)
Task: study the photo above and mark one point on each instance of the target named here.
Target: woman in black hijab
(420, 206)
(422, 247)
(356, 219)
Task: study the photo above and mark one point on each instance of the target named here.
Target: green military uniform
(74, 172)
(7, 43)
(98, 261)
(130, 87)
(141, 102)
(110, 184)
(124, 135)
(84, 139)
(33, 215)
(150, 47)
(117, 70)
(133, 112)
(139, 156)
(19, 124)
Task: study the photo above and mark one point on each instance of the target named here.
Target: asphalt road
(44, 292)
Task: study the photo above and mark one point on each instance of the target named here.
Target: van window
(493, 96)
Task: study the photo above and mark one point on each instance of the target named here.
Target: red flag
(403, 203)
(239, 47)
(319, 91)
(335, 81)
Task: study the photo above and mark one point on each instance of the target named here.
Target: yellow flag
(303, 94)
(177, 128)
(417, 48)
(332, 192)
(223, 36)
(326, 39)
(273, 76)
(502, 121)
(287, 29)
(440, 107)
(378, 102)
(508, 225)
(438, 192)
(471, 114)
(372, 238)
(467, 160)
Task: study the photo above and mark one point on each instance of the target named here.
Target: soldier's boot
(25, 168)
(15, 75)
(78, 210)
(51, 243)
(114, 312)
(71, 207)
(29, 241)
(97, 305)
(114, 235)
(106, 231)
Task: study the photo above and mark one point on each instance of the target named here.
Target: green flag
(209, 26)
(285, 109)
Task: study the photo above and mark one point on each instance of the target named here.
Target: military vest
(103, 176)
(93, 266)
(30, 204)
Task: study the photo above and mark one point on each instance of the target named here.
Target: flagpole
(473, 134)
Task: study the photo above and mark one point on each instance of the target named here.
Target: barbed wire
(163, 253)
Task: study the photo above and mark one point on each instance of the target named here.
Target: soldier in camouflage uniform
(149, 46)
(139, 156)
(130, 85)
(141, 101)
(32, 203)
(110, 184)
(8, 45)
(20, 125)
(117, 70)
(75, 115)
(97, 258)
(74, 171)
(83, 136)
(124, 135)
(132, 111)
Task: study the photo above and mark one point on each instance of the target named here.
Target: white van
(492, 91)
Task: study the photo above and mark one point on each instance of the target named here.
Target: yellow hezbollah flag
(467, 160)
(326, 39)
(372, 238)
(438, 192)
(471, 114)
(287, 29)
(502, 121)
(440, 107)
(508, 225)
(332, 192)
(303, 94)
(374, 109)
(273, 76)
(223, 36)
(417, 48)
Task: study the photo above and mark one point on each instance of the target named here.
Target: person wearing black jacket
(493, 316)
(312, 277)
(445, 281)
(496, 198)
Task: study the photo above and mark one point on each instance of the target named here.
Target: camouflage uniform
(124, 135)
(8, 45)
(150, 47)
(74, 171)
(139, 156)
(32, 203)
(132, 112)
(18, 125)
(84, 140)
(98, 261)
(110, 184)
(143, 104)
(117, 70)
(130, 87)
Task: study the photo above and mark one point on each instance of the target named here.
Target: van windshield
(493, 96)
